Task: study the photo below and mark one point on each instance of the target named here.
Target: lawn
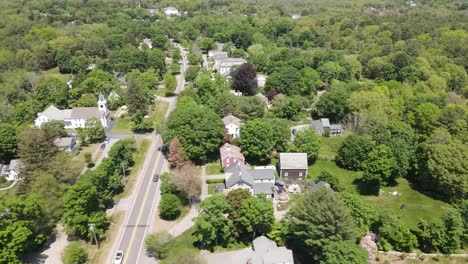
(143, 146)
(329, 147)
(417, 205)
(212, 188)
(183, 243)
(213, 168)
(123, 125)
(161, 92)
(54, 73)
(158, 113)
(10, 192)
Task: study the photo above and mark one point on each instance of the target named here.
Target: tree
(170, 82)
(93, 131)
(316, 220)
(158, 244)
(8, 141)
(333, 105)
(170, 206)
(257, 141)
(344, 253)
(212, 228)
(306, 141)
(425, 118)
(244, 79)
(187, 181)
(54, 128)
(256, 217)
(195, 59)
(330, 179)
(286, 80)
(353, 152)
(140, 124)
(206, 44)
(177, 156)
(379, 166)
(191, 73)
(74, 253)
(136, 98)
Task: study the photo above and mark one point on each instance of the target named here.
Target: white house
(77, 116)
(224, 67)
(232, 125)
(296, 16)
(10, 171)
(146, 42)
(256, 181)
(170, 11)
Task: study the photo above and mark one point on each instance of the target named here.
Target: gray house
(293, 165)
(323, 126)
(67, 144)
(256, 181)
(267, 252)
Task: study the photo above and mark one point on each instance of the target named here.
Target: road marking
(145, 197)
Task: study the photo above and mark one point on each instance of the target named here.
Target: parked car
(103, 146)
(156, 178)
(106, 140)
(118, 257)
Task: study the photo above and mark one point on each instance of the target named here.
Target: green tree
(235, 198)
(158, 244)
(353, 152)
(425, 118)
(286, 80)
(206, 44)
(344, 253)
(74, 253)
(170, 83)
(256, 217)
(333, 105)
(8, 141)
(93, 131)
(54, 128)
(136, 98)
(191, 73)
(330, 179)
(257, 141)
(140, 124)
(306, 141)
(52, 92)
(316, 220)
(379, 166)
(170, 207)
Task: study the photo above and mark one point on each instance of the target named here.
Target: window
(285, 174)
(300, 174)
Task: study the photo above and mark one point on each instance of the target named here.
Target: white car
(106, 141)
(118, 257)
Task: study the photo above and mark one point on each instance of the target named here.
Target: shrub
(158, 244)
(214, 181)
(74, 253)
(170, 207)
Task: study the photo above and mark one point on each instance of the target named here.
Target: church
(77, 116)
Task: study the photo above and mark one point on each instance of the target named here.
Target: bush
(214, 181)
(170, 207)
(158, 244)
(74, 253)
(330, 179)
(2, 180)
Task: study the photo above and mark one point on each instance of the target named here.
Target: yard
(329, 147)
(158, 113)
(183, 243)
(123, 125)
(54, 73)
(214, 168)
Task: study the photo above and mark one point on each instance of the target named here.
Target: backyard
(123, 125)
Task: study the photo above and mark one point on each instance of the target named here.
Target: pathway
(9, 187)
(184, 224)
(204, 189)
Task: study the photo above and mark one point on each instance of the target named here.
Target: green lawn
(161, 92)
(183, 243)
(213, 168)
(345, 177)
(10, 192)
(329, 147)
(159, 111)
(123, 125)
(54, 73)
(212, 188)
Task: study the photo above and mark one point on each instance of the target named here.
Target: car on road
(156, 178)
(118, 257)
(106, 141)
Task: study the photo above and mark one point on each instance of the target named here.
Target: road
(146, 198)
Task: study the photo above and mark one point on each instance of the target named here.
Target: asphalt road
(132, 239)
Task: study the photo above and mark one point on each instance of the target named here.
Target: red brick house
(230, 155)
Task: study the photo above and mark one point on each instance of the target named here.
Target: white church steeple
(102, 103)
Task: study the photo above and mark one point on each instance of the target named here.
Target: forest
(392, 73)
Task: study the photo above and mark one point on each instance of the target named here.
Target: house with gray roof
(256, 181)
(232, 126)
(67, 144)
(293, 165)
(267, 252)
(323, 126)
(10, 171)
(224, 67)
(77, 116)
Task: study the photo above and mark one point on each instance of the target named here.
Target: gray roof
(319, 185)
(267, 252)
(317, 125)
(263, 187)
(263, 174)
(219, 55)
(53, 113)
(230, 119)
(293, 161)
(228, 150)
(63, 142)
(236, 173)
(85, 112)
(13, 164)
(335, 127)
(233, 60)
(325, 122)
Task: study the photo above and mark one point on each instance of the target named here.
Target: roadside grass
(123, 125)
(183, 243)
(143, 146)
(161, 92)
(79, 157)
(198, 170)
(213, 168)
(99, 255)
(54, 73)
(158, 113)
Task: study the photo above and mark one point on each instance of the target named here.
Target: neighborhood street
(146, 196)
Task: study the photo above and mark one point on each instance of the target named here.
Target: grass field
(329, 147)
(123, 125)
(54, 73)
(213, 168)
(183, 243)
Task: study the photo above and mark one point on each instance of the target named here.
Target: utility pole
(91, 227)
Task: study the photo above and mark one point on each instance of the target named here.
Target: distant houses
(324, 128)
(170, 11)
(10, 171)
(293, 166)
(226, 65)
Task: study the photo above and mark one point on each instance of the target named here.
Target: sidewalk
(185, 224)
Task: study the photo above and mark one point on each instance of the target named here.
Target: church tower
(102, 103)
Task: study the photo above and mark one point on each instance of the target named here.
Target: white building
(10, 171)
(256, 181)
(225, 66)
(232, 125)
(170, 11)
(77, 116)
(296, 16)
(146, 42)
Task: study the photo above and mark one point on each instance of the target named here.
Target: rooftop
(293, 161)
(230, 119)
(85, 112)
(63, 142)
(267, 252)
(53, 113)
(228, 150)
(239, 172)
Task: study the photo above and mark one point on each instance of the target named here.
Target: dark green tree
(344, 253)
(306, 141)
(8, 141)
(353, 152)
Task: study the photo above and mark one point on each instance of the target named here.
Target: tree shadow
(367, 187)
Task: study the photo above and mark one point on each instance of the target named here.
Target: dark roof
(263, 174)
(319, 185)
(263, 187)
(239, 172)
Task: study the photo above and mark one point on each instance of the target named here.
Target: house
(225, 66)
(10, 171)
(146, 42)
(77, 116)
(256, 181)
(296, 16)
(218, 57)
(230, 155)
(296, 129)
(261, 80)
(323, 127)
(170, 11)
(293, 165)
(67, 144)
(232, 125)
(267, 252)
